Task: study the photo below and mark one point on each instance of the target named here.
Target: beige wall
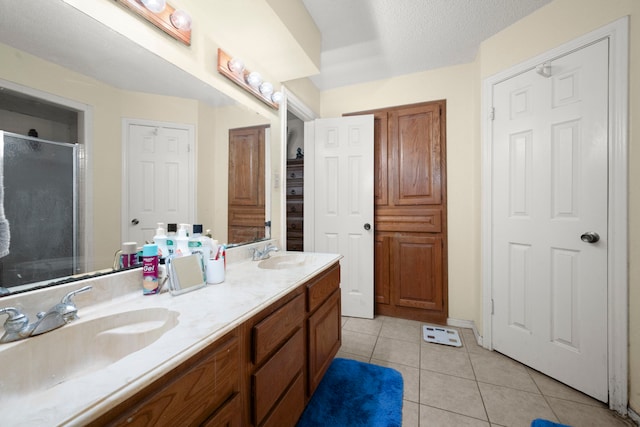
(558, 22)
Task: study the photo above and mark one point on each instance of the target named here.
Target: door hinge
(492, 113)
(492, 307)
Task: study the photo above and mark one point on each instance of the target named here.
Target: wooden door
(410, 212)
(246, 220)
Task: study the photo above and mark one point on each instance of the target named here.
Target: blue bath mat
(539, 422)
(354, 394)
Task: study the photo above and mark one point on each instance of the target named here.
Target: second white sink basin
(78, 348)
(281, 261)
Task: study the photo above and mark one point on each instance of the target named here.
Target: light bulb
(181, 20)
(236, 65)
(155, 6)
(254, 79)
(277, 97)
(266, 89)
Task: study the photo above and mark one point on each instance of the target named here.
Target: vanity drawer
(274, 378)
(274, 329)
(288, 410)
(323, 286)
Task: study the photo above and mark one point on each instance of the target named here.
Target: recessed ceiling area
(366, 40)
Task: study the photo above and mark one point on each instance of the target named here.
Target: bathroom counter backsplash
(204, 316)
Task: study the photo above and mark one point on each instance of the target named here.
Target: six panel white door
(550, 143)
(160, 183)
(343, 200)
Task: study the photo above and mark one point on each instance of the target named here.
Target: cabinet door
(416, 267)
(324, 338)
(188, 395)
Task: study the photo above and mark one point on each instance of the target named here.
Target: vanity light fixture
(252, 82)
(176, 23)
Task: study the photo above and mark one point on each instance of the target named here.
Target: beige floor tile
(434, 417)
(402, 329)
(581, 415)
(451, 393)
(364, 326)
(410, 377)
(494, 368)
(345, 355)
(357, 343)
(552, 388)
(410, 414)
(397, 351)
(470, 342)
(446, 360)
(514, 408)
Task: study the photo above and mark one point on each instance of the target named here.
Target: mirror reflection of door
(159, 178)
(246, 214)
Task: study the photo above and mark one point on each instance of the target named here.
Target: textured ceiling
(365, 40)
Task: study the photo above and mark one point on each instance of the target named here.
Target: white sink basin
(279, 262)
(78, 348)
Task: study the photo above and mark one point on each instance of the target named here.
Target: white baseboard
(468, 324)
(633, 415)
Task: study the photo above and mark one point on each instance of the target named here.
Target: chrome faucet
(17, 326)
(263, 254)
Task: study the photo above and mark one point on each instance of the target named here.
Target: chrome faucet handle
(67, 307)
(67, 298)
(14, 325)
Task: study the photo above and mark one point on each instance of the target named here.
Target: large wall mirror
(74, 80)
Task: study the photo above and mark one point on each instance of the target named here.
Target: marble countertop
(205, 315)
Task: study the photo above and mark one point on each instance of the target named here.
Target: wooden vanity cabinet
(260, 374)
(202, 390)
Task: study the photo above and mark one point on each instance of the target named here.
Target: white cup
(215, 271)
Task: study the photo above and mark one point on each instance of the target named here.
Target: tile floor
(468, 385)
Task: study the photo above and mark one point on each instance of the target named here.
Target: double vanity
(248, 351)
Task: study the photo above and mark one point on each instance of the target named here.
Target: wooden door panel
(380, 159)
(416, 267)
(415, 156)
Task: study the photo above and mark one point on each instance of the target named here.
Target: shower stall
(40, 201)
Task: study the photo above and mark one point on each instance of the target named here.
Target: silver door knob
(135, 221)
(590, 237)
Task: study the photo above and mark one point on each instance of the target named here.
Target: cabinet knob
(293, 175)
(135, 221)
(293, 209)
(293, 191)
(367, 226)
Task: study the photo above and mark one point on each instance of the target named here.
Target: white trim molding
(617, 34)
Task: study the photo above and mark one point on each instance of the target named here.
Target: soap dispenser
(182, 241)
(160, 239)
